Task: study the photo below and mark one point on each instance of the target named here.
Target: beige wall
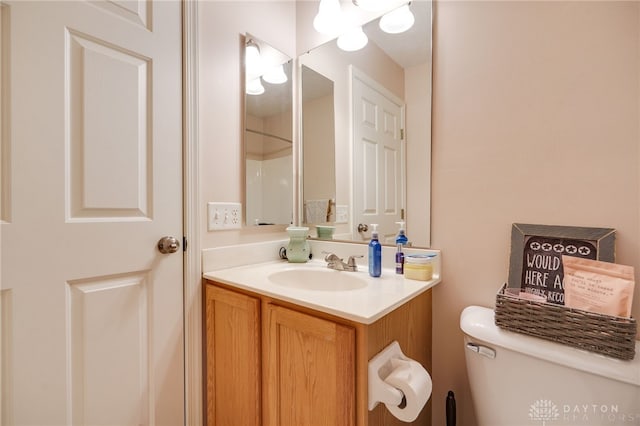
(417, 96)
(221, 26)
(535, 120)
(319, 134)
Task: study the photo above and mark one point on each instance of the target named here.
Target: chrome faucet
(334, 262)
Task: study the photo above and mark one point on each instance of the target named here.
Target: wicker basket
(603, 334)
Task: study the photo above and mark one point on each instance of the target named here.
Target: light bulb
(252, 54)
(254, 87)
(329, 18)
(397, 21)
(354, 39)
(275, 75)
(253, 60)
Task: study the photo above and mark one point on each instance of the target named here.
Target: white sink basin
(317, 279)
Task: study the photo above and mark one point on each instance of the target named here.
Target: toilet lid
(478, 323)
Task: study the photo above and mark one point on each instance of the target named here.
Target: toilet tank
(519, 380)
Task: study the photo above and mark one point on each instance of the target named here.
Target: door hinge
(402, 214)
(184, 243)
(401, 134)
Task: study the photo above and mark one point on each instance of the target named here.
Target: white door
(378, 158)
(92, 327)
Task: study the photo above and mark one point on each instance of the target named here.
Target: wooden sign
(536, 255)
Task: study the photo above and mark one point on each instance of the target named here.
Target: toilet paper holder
(380, 366)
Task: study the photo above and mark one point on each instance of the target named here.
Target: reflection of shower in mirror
(268, 135)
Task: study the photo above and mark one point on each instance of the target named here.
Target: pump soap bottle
(401, 240)
(402, 235)
(375, 253)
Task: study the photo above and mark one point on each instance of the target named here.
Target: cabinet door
(233, 347)
(309, 364)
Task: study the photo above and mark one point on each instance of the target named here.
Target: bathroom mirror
(371, 183)
(268, 135)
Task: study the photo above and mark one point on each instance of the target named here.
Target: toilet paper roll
(415, 383)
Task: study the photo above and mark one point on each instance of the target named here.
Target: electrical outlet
(224, 216)
(342, 214)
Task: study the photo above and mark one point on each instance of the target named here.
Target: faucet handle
(352, 261)
(330, 257)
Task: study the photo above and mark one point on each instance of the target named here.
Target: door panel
(122, 379)
(93, 332)
(136, 11)
(109, 114)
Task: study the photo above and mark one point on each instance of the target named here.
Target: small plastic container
(418, 267)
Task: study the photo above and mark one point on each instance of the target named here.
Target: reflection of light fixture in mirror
(254, 87)
(372, 5)
(329, 18)
(397, 21)
(354, 39)
(275, 75)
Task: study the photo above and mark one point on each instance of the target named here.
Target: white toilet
(518, 380)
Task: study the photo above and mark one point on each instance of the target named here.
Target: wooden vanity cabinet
(309, 369)
(274, 363)
(233, 358)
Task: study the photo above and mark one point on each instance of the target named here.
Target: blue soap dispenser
(375, 253)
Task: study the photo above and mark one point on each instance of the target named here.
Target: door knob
(168, 245)
(362, 227)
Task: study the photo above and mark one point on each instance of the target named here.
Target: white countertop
(365, 305)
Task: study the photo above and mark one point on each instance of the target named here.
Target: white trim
(429, 163)
(192, 266)
(298, 149)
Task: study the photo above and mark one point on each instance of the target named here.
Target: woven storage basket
(603, 334)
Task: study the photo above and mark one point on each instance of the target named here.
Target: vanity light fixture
(352, 40)
(328, 21)
(275, 75)
(397, 21)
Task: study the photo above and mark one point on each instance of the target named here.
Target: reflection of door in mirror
(268, 135)
(318, 132)
(378, 157)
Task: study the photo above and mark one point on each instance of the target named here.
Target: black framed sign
(535, 265)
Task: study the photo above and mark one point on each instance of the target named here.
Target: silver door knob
(362, 227)
(168, 245)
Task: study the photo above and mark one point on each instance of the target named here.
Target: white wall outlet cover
(342, 214)
(222, 216)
